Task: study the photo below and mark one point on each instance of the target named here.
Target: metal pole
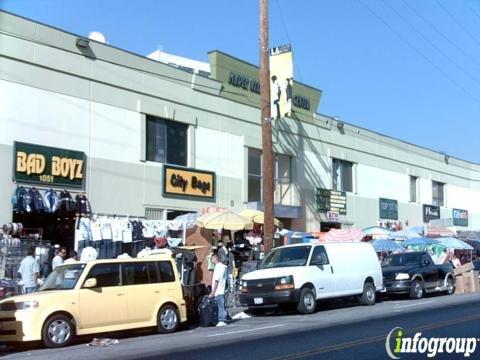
(268, 227)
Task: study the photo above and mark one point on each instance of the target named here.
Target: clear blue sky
(405, 68)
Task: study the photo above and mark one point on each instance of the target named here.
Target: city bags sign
(430, 212)
(188, 183)
(388, 209)
(460, 217)
(37, 164)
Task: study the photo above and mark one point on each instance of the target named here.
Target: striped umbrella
(344, 235)
(377, 232)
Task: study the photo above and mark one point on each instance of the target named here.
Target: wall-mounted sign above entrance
(331, 200)
(388, 209)
(430, 212)
(188, 183)
(38, 164)
(460, 217)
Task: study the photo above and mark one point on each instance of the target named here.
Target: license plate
(258, 301)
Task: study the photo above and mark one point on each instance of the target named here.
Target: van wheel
(369, 295)
(167, 320)
(308, 302)
(57, 331)
(450, 286)
(417, 290)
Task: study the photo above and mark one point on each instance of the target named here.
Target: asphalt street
(338, 330)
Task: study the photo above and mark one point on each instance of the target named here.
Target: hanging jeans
(117, 249)
(222, 312)
(106, 251)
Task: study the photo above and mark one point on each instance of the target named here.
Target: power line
(458, 22)
(297, 67)
(472, 9)
(437, 30)
(431, 43)
(412, 47)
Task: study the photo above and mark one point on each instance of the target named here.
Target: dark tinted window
(319, 256)
(403, 259)
(166, 141)
(166, 271)
(140, 273)
(106, 275)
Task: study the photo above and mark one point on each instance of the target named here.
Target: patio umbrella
(469, 235)
(454, 243)
(186, 220)
(404, 235)
(344, 235)
(227, 220)
(474, 243)
(257, 216)
(440, 232)
(377, 232)
(383, 245)
(419, 242)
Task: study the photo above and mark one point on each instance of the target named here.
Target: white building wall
(379, 183)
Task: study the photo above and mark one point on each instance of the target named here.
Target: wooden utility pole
(268, 186)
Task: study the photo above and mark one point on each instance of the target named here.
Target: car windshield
(289, 256)
(403, 259)
(64, 277)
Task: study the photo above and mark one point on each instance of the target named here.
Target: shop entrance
(327, 226)
(172, 214)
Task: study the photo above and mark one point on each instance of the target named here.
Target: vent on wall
(154, 214)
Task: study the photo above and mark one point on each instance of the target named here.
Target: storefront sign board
(388, 209)
(45, 165)
(188, 183)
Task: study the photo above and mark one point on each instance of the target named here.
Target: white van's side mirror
(90, 283)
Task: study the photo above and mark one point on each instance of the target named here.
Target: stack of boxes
(466, 280)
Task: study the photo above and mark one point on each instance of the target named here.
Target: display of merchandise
(13, 249)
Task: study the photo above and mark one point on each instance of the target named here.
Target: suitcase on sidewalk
(208, 312)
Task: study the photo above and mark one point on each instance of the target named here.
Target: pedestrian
(211, 265)
(73, 258)
(222, 253)
(58, 259)
(455, 261)
(231, 264)
(218, 289)
(29, 269)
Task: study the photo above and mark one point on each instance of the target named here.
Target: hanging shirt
(96, 230)
(117, 230)
(106, 229)
(127, 232)
(50, 201)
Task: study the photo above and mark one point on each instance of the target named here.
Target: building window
(166, 141)
(283, 179)
(282, 175)
(342, 175)
(413, 188)
(438, 193)
(254, 175)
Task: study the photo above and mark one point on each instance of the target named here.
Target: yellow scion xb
(95, 297)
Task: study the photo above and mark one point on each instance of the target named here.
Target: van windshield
(64, 277)
(289, 256)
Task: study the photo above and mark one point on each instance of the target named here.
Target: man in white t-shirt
(219, 280)
(29, 270)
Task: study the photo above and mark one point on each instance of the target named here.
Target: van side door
(105, 304)
(321, 273)
(141, 281)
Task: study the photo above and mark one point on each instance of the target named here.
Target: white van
(304, 273)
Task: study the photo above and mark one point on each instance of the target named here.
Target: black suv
(415, 273)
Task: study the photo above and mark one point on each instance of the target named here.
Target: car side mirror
(426, 263)
(90, 283)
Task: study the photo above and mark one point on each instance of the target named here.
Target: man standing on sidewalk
(29, 270)
(218, 288)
